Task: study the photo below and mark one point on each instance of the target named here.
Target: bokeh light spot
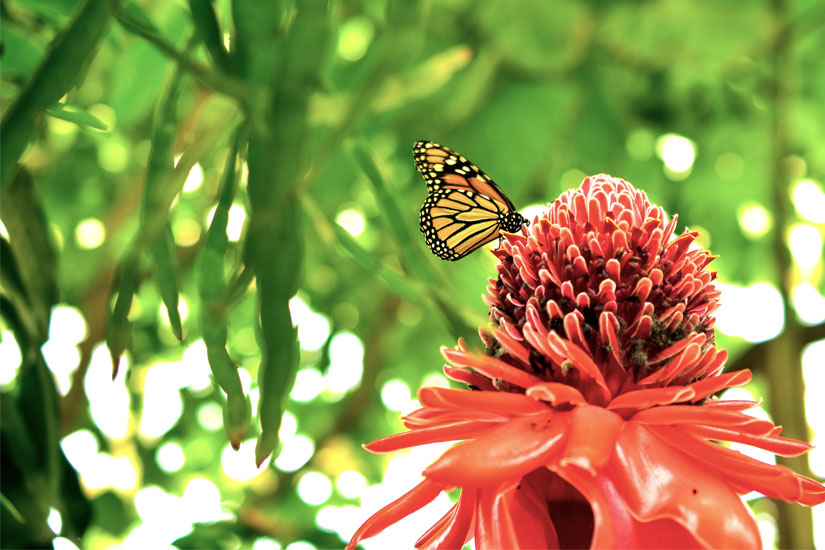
(809, 201)
(55, 521)
(313, 328)
(354, 38)
(113, 154)
(754, 220)
(162, 402)
(170, 457)
(301, 545)
(210, 416)
(308, 385)
(109, 400)
(62, 543)
(187, 232)
(289, 426)
(194, 179)
(754, 313)
(808, 303)
(350, 484)
(236, 218)
(395, 394)
(266, 543)
(805, 243)
(314, 488)
(296, 452)
(240, 465)
(90, 233)
(202, 501)
(677, 153)
(234, 225)
(813, 357)
(352, 221)
(346, 363)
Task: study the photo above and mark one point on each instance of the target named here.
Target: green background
(108, 106)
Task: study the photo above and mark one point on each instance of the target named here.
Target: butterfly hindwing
(455, 222)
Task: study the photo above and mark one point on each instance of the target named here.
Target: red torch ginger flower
(591, 421)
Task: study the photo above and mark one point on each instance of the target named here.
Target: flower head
(590, 421)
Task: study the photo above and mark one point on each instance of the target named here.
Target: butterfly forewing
(464, 209)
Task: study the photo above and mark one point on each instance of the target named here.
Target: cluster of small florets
(600, 269)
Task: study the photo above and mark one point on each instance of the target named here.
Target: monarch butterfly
(464, 208)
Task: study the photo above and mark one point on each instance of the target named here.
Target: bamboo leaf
(166, 275)
(55, 75)
(276, 157)
(78, 116)
(206, 24)
(118, 333)
(211, 287)
(30, 241)
(158, 191)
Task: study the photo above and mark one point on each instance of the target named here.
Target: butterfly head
(513, 221)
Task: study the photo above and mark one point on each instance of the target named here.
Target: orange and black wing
(457, 221)
(443, 168)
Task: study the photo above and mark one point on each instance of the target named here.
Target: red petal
(512, 346)
(453, 530)
(711, 385)
(468, 377)
(436, 529)
(642, 399)
(513, 517)
(707, 416)
(505, 454)
(731, 404)
(458, 431)
(418, 497)
(582, 361)
(555, 393)
(490, 367)
(777, 445)
(773, 481)
(507, 404)
(614, 526)
(591, 437)
(428, 417)
(657, 481)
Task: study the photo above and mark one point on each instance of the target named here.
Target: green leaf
(161, 186)
(203, 14)
(276, 163)
(118, 334)
(21, 53)
(78, 116)
(30, 240)
(213, 315)
(10, 508)
(55, 75)
(166, 275)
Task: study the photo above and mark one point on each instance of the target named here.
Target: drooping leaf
(80, 117)
(55, 75)
(213, 314)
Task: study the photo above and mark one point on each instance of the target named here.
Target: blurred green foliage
(302, 115)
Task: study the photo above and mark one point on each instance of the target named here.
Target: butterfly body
(464, 208)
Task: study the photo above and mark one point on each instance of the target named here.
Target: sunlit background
(539, 97)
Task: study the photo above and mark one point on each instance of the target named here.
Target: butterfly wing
(443, 168)
(457, 221)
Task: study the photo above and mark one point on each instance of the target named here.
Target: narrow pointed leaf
(55, 76)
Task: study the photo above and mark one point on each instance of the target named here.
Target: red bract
(590, 421)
